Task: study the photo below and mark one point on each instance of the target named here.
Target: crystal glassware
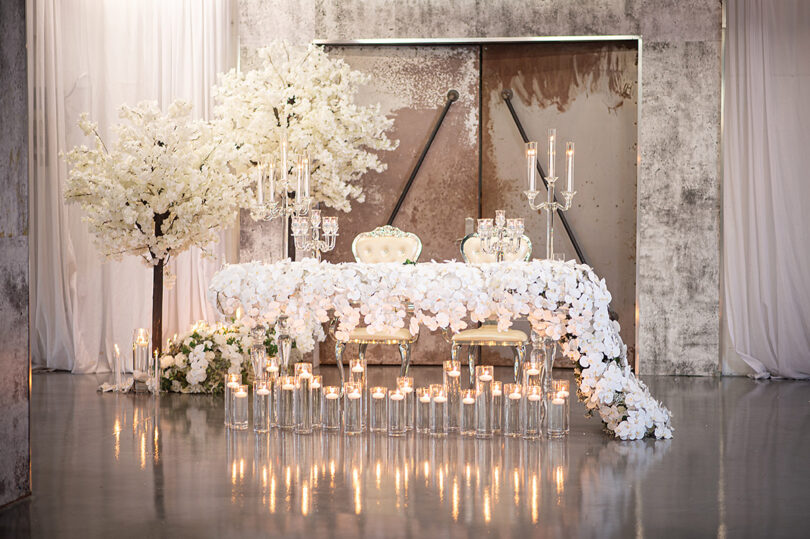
(397, 402)
(261, 406)
(512, 404)
(483, 401)
(497, 406)
(557, 409)
(358, 372)
(422, 409)
(532, 411)
(377, 410)
(467, 412)
(285, 402)
(438, 410)
(405, 384)
(141, 360)
(533, 369)
(239, 407)
(317, 397)
(231, 383)
(330, 409)
(303, 398)
(451, 374)
(352, 408)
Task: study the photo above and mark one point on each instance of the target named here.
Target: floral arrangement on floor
(197, 361)
(562, 300)
(310, 95)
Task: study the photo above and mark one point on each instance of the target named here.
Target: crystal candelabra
(550, 205)
(308, 233)
(501, 237)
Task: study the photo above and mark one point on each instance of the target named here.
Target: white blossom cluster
(562, 300)
(166, 165)
(303, 90)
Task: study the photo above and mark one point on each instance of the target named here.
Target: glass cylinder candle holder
(285, 402)
(231, 383)
(484, 375)
(497, 407)
(271, 367)
(397, 412)
(451, 376)
(557, 409)
(532, 371)
(317, 397)
(141, 360)
(357, 375)
(239, 407)
(303, 398)
(377, 409)
(262, 402)
(352, 408)
(532, 411)
(422, 410)
(330, 408)
(513, 401)
(438, 410)
(405, 384)
(467, 412)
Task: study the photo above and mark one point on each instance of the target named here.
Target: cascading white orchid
(564, 301)
(303, 90)
(162, 186)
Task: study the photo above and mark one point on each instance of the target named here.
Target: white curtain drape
(91, 56)
(766, 189)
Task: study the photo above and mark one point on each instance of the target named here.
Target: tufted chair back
(386, 244)
(473, 253)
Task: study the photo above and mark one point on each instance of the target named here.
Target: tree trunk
(157, 306)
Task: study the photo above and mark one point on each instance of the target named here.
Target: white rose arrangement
(162, 186)
(302, 91)
(561, 300)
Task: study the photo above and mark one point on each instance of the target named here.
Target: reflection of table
(562, 300)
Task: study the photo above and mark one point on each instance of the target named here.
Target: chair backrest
(386, 244)
(473, 252)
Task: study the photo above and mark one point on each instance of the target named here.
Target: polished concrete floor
(108, 465)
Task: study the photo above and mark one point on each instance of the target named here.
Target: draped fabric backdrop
(93, 55)
(766, 190)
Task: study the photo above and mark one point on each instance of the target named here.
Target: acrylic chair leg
(520, 355)
(405, 354)
(339, 347)
(362, 354)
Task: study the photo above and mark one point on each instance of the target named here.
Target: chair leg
(362, 354)
(520, 355)
(405, 354)
(339, 347)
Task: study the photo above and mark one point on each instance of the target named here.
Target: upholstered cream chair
(488, 334)
(383, 244)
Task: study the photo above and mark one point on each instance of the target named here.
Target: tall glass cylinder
(483, 401)
(533, 369)
(532, 411)
(557, 409)
(262, 403)
(397, 402)
(438, 410)
(352, 408)
(511, 410)
(272, 370)
(497, 407)
(423, 409)
(141, 360)
(285, 402)
(231, 383)
(377, 411)
(303, 398)
(317, 397)
(239, 408)
(330, 408)
(358, 375)
(467, 412)
(405, 384)
(451, 375)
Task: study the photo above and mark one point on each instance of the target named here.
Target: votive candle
(303, 398)
(451, 373)
(532, 411)
(286, 402)
(352, 408)
(557, 409)
(231, 383)
(261, 406)
(467, 412)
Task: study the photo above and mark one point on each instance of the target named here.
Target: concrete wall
(14, 365)
(678, 257)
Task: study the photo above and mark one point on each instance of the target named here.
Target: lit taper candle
(531, 164)
(552, 151)
(569, 165)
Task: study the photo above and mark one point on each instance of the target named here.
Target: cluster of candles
(531, 162)
(301, 403)
(266, 172)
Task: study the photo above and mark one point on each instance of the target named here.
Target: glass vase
(303, 398)
(512, 403)
(422, 410)
(352, 408)
(405, 384)
(239, 407)
(397, 402)
(261, 406)
(330, 408)
(377, 410)
(484, 375)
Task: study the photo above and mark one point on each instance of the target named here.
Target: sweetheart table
(563, 301)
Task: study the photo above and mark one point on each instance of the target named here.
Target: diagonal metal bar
(507, 97)
(452, 97)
